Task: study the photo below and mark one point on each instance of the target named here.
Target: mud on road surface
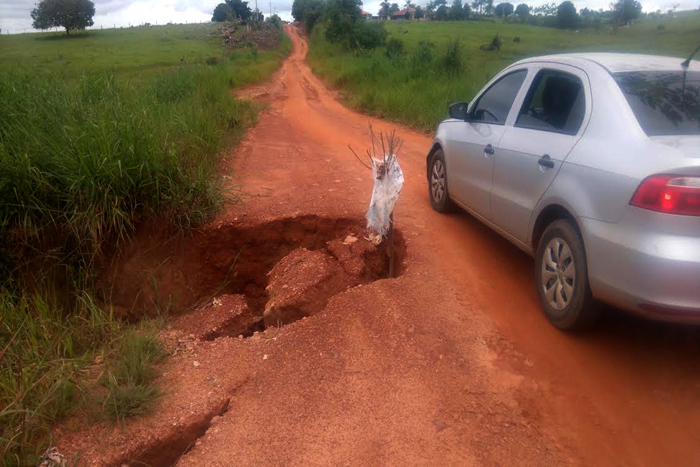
(451, 363)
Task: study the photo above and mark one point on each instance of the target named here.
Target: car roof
(616, 62)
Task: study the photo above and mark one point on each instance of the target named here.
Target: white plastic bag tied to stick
(388, 181)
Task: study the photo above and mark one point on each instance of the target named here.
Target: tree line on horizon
(563, 15)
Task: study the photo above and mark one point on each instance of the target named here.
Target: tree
(625, 11)
(442, 14)
(566, 15)
(419, 12)
(522, 10)
(504, 9)
(69, 14)
(385, 9)
(239, 9)
(489, 7)
(430, 9)
(221, 13)
(343, 16)
(547, 9)
(308, 11)
(458, 12)
(409, 4)
(394, 8)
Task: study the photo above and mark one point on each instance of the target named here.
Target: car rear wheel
(562, 278)
(437, 183)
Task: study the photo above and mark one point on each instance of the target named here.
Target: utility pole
(270, 8)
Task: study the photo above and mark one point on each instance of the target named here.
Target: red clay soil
(451, 363)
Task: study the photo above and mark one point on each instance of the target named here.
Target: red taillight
(673, 194)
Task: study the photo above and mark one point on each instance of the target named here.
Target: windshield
(662, 102)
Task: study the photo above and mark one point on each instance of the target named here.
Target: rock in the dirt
(352, 255)
(52, 458)
(227, 315)
(300, 285)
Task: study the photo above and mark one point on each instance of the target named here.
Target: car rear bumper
(646, 262)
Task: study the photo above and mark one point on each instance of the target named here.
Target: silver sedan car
(590, 163)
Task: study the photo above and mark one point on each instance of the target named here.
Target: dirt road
(452, 363)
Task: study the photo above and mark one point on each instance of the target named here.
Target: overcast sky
(14, 14)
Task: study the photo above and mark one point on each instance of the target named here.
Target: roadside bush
(423, 55)
(367, 36)
(394, 49)
(452, 60)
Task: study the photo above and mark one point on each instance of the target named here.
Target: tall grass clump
(91, 158)
(42, 350)
(129, 376)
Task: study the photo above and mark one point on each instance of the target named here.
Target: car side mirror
(458, 110)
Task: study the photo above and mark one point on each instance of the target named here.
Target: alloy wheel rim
(558, 274)
(438, 181)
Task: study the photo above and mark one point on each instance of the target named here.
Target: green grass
(99, 132)
(417, 88)
(130, 374)
(42, 349)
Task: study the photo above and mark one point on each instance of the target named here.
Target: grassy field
(137, 53)
(416, 87)
(99, 132)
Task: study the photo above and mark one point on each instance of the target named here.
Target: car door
(550, 121)
(471, 146)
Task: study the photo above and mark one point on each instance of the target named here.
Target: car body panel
(470, 169)
(519, 181)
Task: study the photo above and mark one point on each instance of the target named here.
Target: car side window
(555, 102)
(493, 105)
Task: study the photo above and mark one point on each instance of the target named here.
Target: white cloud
(14, 14)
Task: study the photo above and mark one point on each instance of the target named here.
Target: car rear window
(664, 102)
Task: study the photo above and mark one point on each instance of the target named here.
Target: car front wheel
(437, 181)
(562, 278)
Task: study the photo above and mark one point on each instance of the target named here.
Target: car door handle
(546, 161)
(488, 149)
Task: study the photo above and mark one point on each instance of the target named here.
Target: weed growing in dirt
(129, 376)
(417, 89)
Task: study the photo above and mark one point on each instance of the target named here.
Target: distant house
(406, 13)
(366, 15)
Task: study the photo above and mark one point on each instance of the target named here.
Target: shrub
(452, 60)
(211, 61)
(423, 56)
(394, 49)
(366, 36)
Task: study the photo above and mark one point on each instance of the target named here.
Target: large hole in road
(273, 272)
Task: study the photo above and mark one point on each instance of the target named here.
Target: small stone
(99, 360)
(240, 336)
(196, 364)
(265, 357)
(349, 240)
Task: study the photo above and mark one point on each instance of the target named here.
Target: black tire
(439, 194)
(566, 300)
